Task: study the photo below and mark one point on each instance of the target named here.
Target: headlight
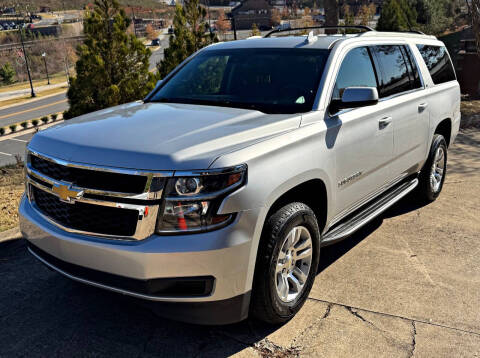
(192, 200)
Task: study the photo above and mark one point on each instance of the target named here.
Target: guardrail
(18, 45)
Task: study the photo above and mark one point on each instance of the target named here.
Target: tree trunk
(475, 15)
(331, 15)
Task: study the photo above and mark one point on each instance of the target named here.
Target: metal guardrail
(18, 45)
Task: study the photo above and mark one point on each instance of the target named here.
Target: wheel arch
(444, 128)
(303, 193)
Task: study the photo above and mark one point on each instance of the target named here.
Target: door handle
(422, 106)
(384, 122)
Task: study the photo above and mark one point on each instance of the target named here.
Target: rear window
(438, 62)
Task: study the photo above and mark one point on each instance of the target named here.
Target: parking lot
(407, 285)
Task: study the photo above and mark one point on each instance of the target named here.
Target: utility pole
(209, 20)
(65, 54)
(32, 92)
(234, 27)
(44, 55)
(133, 21)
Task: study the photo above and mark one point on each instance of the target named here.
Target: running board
(372, 210)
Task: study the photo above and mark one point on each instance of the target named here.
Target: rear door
(405, 106)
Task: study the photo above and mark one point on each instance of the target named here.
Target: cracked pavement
(406, 285)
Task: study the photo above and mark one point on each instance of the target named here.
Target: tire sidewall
(300, 218)
(438, 141)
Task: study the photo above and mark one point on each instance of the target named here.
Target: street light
(44, 55)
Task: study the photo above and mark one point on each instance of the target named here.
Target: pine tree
(112, 66)
(397, 15)
(189, 27)
(7, 73)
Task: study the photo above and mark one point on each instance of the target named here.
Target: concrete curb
(12, 234)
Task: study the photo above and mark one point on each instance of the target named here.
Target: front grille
(86, 217)
(91, 179)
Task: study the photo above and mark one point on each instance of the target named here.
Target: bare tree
(331, 15)
(474, 11)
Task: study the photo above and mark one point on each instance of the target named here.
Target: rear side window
(412, 68)
(356, 71)
(438, 62)
(393, 75)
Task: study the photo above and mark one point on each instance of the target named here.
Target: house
(355, 5)
(43, 8)
(251, 12)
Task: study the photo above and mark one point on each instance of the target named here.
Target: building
(251, 12)
(356, 4)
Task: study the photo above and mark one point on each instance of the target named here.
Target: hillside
(56, 5)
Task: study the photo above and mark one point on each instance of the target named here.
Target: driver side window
(356, 70)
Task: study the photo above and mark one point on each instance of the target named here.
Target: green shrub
(54, 117)
(35, 122)
(44, 119)
(24, 124)
(13, 127)
(2, 131)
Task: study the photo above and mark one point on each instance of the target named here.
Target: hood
(159, 136)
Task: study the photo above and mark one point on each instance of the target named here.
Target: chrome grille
(90, 178)
(85, 217)
(114, 203)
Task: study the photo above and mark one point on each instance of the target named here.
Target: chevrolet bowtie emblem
(66, 193)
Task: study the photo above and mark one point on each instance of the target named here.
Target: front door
(364, 143)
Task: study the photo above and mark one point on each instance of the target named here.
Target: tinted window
(356, 70)
(438, 63)
(412, 68)
(393, 72)
(269, 80)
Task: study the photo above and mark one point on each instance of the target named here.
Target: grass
(20, 100)
(54, 79)
(469, 108)
(470, 114)
(11, 189)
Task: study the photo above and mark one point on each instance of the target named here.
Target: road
(9, 148)
(35, 109)
(407, 285)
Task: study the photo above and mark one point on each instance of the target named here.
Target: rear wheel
(287, 263)
(433, 174)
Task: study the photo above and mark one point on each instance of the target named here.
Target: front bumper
(226, 255)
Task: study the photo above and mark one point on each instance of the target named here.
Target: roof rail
(413, 32)
(358, 27)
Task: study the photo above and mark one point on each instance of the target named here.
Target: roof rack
(413, 32)
(358, 27)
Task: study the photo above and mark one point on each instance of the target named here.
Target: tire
(291, 222)
(430, 188)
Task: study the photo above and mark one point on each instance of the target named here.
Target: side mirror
(355, 97)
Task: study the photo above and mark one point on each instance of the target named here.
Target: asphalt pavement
(34, 109)
(13, 146)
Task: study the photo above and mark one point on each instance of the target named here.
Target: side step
(368, 213)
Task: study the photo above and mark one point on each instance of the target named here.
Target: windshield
(268, 80)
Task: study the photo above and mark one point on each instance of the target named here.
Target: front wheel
(287, 263)
(433, 174)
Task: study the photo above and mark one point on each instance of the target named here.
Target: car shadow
(45, 314)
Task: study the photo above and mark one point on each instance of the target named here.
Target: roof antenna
(311, 38)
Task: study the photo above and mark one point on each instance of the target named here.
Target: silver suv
(212, 197)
